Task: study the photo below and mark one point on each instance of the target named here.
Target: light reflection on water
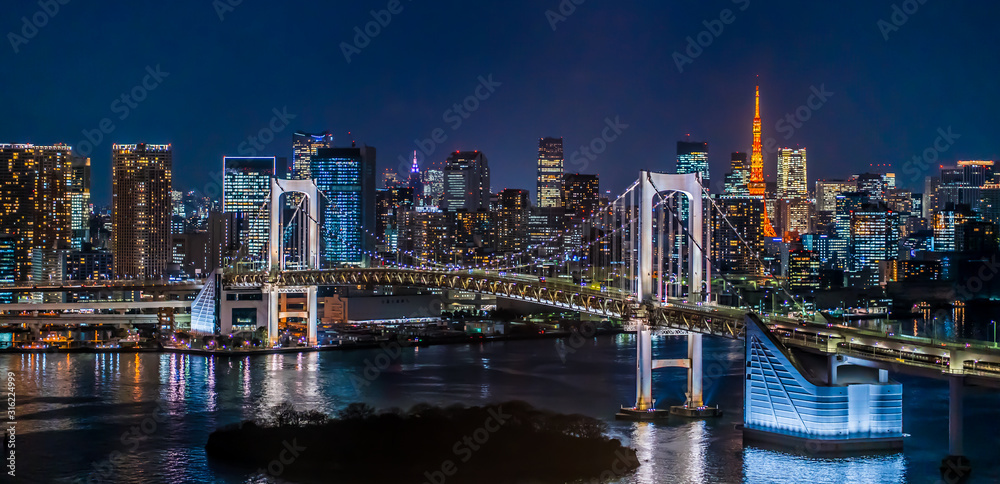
(91, 400)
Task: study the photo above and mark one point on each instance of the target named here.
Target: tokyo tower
(756, 185)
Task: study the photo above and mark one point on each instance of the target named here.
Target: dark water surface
(145, 418)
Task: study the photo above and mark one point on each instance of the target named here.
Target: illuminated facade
(141, 210)
(512, 220)
(467, 182)
(79, 200)
(803, 270)
(246, 189)
(346, 177)
(779, 399)
(35, 201)
(734, 257)
(792, 175)
(8, 265)
(550, 172)
(874, 242)
(304, 146)
(692, 157)
(738, 176)
(757, 186)
(582, 194)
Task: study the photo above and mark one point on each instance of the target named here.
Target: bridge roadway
(103, 285)
(901, 352)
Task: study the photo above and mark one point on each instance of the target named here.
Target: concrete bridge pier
(272, 295)
(956, 467)
(643, 409)
(694, 406)
(311, 307)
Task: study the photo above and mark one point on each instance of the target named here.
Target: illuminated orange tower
(756, 186)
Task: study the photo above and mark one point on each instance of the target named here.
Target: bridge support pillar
(956, 467)
(695, 404)
(643, 409)
(311, 307)
(272, 295)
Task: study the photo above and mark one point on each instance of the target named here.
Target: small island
(505, 443)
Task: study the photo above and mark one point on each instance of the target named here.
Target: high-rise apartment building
(550, 172)
(35, 202)
(792, 175)
(304, 147)
(141, 210)
(466, 182)
(346, 177)
(512, 220)
(246, 189)
(733, 256)
(692, 157)
(583, 195)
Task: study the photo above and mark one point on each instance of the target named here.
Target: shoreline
(302, 349)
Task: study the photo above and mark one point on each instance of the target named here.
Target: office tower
(828, 190)
(389, 203)
(389, 179)
(346, 178)
(89, 264)
(413, 181)
(756, 186)
(550, 172)
(433, 183)
(223, 239)
(875, 184)
(424, 238)
(8, 265)
(738, 176)
(35, 202)
(512, 220)
(692, 157)
(733, 256)
(874, 242)
(792, 176)
(831, 251)
(989, 205)
(803, 270)
(304, 147)
(846, 204)
(794, 217)
(466, 182)
(949, 228)
(962, 185)
(583, 195)
(79, 200)
(141, 210)
(472, 237)
(246, 189)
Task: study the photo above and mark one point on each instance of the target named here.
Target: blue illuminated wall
(778, 398)
(346, 176)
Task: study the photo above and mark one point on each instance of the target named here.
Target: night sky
(224, 79)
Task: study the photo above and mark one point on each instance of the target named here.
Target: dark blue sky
(607, 59)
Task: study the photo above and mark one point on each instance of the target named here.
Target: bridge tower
(275, 259)
(653, 188)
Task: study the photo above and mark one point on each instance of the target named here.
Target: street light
(994, 323)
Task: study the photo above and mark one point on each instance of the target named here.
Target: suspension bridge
(806, 377)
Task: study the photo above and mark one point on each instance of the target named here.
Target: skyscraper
(692, 157)
(304, 146)
(346, 178)
(757, 186)
(583, 195)
(141, 209)
(79, 199)
(738, 176)
(467, 182)
(792, 176)
(550, 172)
(35, 205)
(246, 188)
(512, 220)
